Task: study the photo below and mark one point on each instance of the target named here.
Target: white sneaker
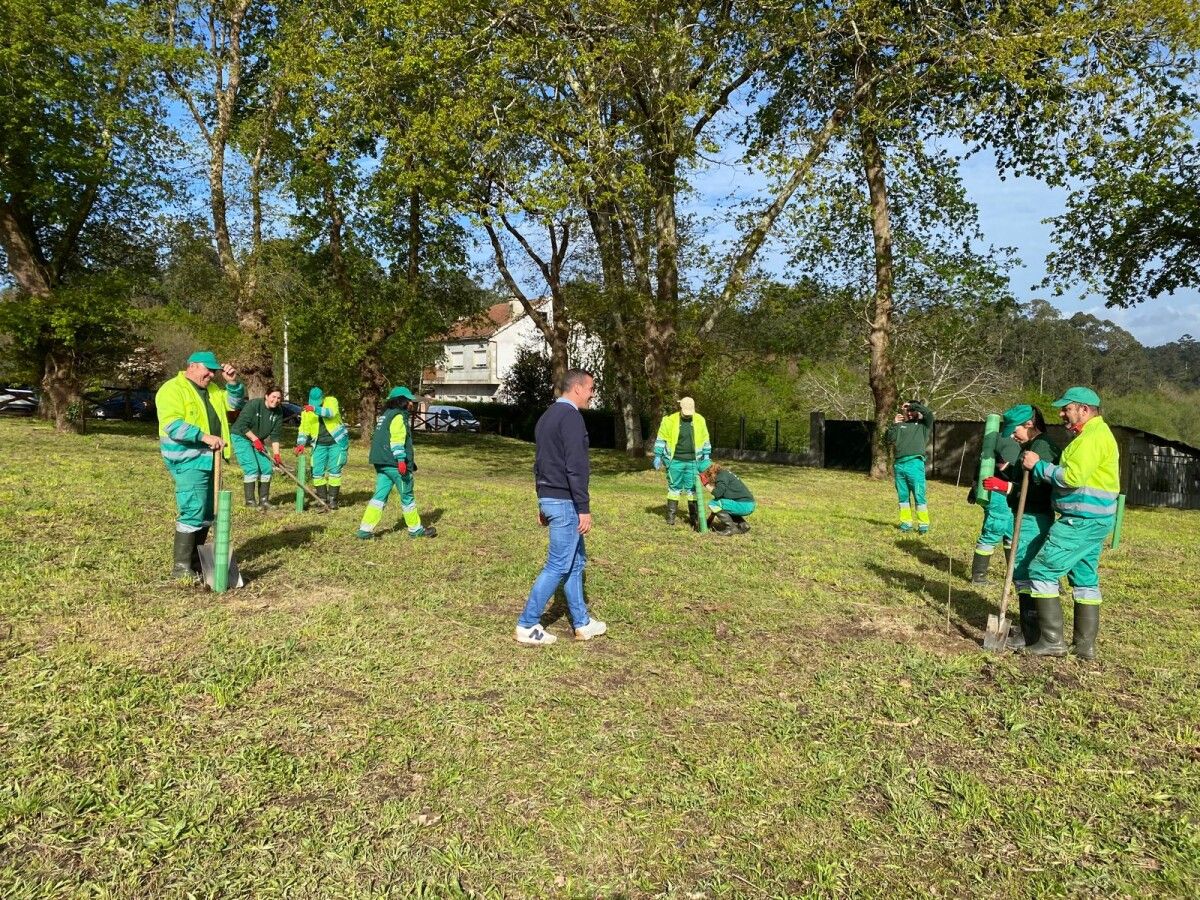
(536, 636)
(594, 628)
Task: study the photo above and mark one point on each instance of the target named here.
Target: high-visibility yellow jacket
(183, 421)
(1087, 478)
(668, 437)
(310, 427)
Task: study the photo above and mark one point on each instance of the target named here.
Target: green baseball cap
(1014, 416)
(315, 396)
(1078, 395)
(401, 392)
(206, 358)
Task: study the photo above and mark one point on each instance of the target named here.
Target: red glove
(299, 449)
(402, 467)
(309, 409)
(277, 460)
(258, 445)
(992, 483)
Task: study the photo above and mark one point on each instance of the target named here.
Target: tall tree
(79, 156)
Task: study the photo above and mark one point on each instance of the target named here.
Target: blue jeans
(565, 559)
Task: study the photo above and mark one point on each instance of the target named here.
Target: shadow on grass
(286, 539)
(969, 609)
(432, 517)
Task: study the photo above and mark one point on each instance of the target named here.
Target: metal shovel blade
(995, 638)
(208, 567)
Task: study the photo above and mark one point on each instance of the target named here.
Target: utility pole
(286, 372)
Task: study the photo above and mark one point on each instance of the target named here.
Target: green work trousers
(909, 473)
(193, 499)
(328, 460)
(387, 478)
(1072, 548)
(681, 479)
(255, 466)
(997, 524)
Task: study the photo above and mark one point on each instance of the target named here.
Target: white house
(479, 351)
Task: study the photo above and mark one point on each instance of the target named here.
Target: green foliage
(530, 381)
(1169, 411)
(91, 322)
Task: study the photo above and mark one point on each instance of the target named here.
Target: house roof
(485, 324)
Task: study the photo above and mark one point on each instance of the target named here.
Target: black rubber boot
(184, 546)
(722, 523)
(1087, 626)
(248, 487)
(1050, 625)
(1029, 624)
(264, 495)
(694, 514)
(323, 493)
(979, 568)
(333, 496)
(672, 508)
(740, 524)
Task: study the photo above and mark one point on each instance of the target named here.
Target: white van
(450, 418)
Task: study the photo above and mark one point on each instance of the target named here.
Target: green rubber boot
(264, 495)
(199, 539)
(323, 493)
(333, 495)
(1087, 626)
(1029, 633)
(722, 523)
(979, 567)
(694, 514)
(184, 547)
(672, 509)
(1050, 625)
(248, 487)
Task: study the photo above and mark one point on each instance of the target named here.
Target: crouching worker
(731, 500)
(392, 457)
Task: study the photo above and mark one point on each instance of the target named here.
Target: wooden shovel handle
(1016, 538)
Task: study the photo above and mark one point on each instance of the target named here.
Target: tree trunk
(370, 396)
(629, 419)
(257, 367)
(62, 394)
(882, 372)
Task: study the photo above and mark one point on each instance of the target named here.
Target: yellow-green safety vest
(183, 420)
(1087, 478)
(310, 424)
(668, 437)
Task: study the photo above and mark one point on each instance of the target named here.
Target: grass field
(796, 712)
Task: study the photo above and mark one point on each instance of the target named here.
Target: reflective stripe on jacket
(310, 428)
(183, 420)
(1087, 478)
(668, 437)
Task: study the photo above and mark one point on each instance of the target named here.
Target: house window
(456, 359)
(481, 358)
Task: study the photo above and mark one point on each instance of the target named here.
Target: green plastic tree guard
(1118, 521)
(221, 545)
(301, 478)
(987, 458)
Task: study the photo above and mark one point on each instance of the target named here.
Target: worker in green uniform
(908, 435)
(1029, 430)
(731, 500)
(1085, 485)
(321, 427)
(258, 424)
(683, 446)
(193, 423)
(997, 525)
(392, 456)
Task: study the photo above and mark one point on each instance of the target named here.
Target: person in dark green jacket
(731, 500)
(258, 424)
(909, 436)
(1030, 432)
(392, 457)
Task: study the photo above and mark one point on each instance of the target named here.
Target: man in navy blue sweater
(560, 472)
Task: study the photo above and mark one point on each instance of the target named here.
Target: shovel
(229, 576)
(995, 638)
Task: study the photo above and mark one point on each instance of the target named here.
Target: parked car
(450, 418)
(16, 401)
(137, 404)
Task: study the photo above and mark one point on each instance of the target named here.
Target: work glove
(277, 459)
(657, 463)
(309, 408)
(402, 467)
(299, 449)
(992, 483)
(258, 445)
